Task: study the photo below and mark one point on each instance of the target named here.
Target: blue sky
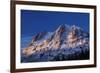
(33, 22)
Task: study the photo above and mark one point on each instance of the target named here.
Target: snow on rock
(65, 43)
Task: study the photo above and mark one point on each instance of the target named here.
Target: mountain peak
(63, 37)
(60, 28)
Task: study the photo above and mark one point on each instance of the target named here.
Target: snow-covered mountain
(65, 43)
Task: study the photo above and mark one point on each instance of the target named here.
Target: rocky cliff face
(52, 44)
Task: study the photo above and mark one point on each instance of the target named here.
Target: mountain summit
(63, 40)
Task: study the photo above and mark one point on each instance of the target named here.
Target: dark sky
(33, 22)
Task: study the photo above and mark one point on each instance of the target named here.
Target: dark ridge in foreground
(78, 53)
